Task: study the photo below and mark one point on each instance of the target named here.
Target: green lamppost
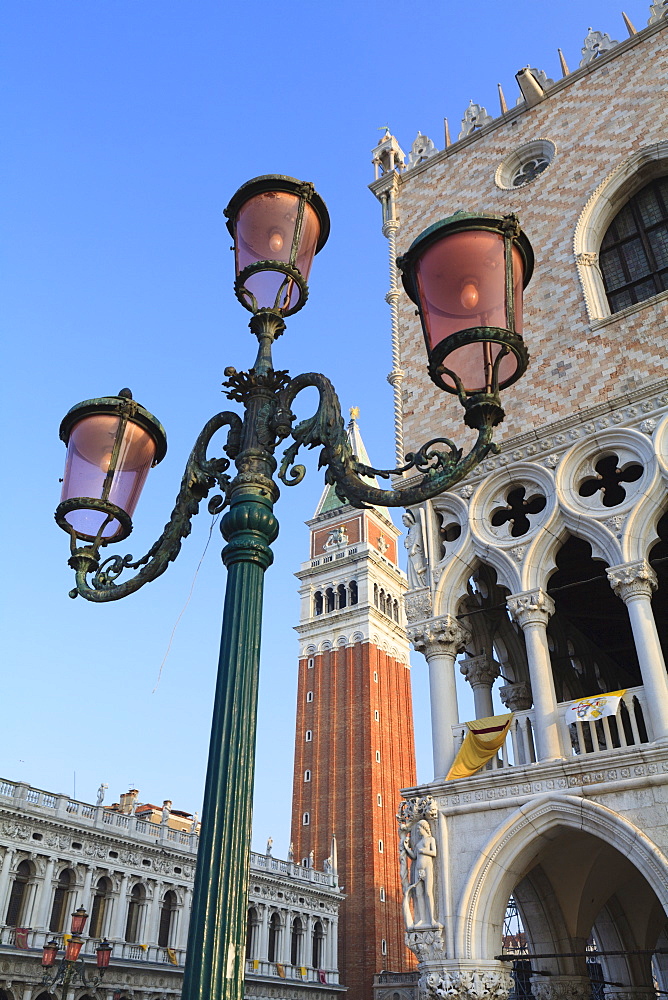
(466, 276)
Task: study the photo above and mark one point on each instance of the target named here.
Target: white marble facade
(57, 854)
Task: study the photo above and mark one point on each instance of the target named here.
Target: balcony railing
(293, 972)
(629, 727)
(122, 951)
(265, 862)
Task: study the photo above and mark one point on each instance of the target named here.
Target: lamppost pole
(466, 275)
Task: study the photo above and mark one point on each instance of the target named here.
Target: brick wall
(596, 120)
(350, 684)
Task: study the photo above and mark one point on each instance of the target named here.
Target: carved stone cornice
(462, 984)
(439, 636)
(516, 697)
(532, 607)
(561, 988)
(480, 671)
(633, 580)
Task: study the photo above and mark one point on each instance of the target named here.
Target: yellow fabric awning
(483, 739)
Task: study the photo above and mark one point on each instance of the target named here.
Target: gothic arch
(609, 197)
(506, 858)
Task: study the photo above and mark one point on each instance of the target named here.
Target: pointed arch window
(634, 251)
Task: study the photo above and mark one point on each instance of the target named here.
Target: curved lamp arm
(200, 476)
(440, 469)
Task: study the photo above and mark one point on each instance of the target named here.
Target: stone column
(121, 913)
(151, 935)
(185, 920)
(45, 896)
(440, 640)
(635, 583)
(5, 881)
(27, 992)
(532, 610)
(481, 672)
(86, 900)
(263, 946)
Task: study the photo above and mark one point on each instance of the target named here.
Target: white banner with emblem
(590, 709)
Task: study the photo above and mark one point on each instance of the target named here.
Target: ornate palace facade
(543, 577)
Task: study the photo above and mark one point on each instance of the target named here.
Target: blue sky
(128, 124)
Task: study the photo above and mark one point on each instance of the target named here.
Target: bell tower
(354, 744)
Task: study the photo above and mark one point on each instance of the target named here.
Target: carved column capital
(516, 697)
(438, 636)
(633, 580)
(561, 988)
(466, 984)
(480, 671)
(532, 607)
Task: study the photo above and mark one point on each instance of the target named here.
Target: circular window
(525, 164)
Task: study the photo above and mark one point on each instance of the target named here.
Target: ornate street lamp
(466, 274)
(71, 969)
(278, 225)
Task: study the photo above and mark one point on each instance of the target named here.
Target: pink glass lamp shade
(112, 442)
(467, 274)
(79, 918)
(72, 948)
(278, 225)
(49, 953)
(103, 953)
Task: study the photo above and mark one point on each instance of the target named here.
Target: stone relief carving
(465, 985)
(633, 579)
(475, 117)
(658, 11)
(418, 606)
(417, 845)
(421, 150)
(595, 44)
(586, 257)
(414, 544)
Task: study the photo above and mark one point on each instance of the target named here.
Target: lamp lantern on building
(466, 275)
(278, 225)
(71, 968)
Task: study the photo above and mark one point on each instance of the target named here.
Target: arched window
(318, 942)
(383, 947)
(375, 594)
(634, 252)
(382, 894)
(296, 942)
(330, 599)
(352, 590)
(167, 910)
(342, 595)
(60, 900)
(395, 611)
(306, 819)
(377, 756)
(376, 715)
(135, 906)
(317, 603)
(309, 736)
(252, 926)
(380, 847)
(311, 663)
(379, 799)
(274, 937)
(99, 908)
(17, 896)
(309, 695)
(307, 775)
